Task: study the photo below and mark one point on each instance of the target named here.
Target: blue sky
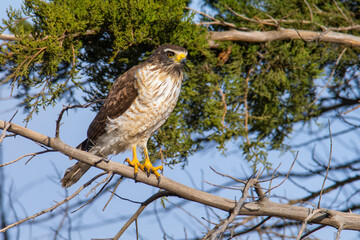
(35, 186)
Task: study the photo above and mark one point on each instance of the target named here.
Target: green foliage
(254, 97)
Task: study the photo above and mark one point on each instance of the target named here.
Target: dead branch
(106, 181)
(8, 37)
(331, 36)
(328, 167)
(26, 155)
(53, 207)
(330, 77)
(235, 212)
(256, 208)
(68, 107)
(336, 185)
(283, 34)
(7, 125)
(308, 219)
(113, 192)
(141, 209)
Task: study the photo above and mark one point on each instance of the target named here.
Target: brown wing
(122, 94)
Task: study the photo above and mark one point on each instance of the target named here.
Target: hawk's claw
(147, 167)
(136, 164)
(102, 159)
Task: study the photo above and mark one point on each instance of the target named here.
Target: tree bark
(257, 208)
(283, 34)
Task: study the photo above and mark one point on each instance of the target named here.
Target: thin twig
(330, 77)
(252, 228)
(53, 207)
(328, 167)
(340, 228)
(188, 213)
(248, 19)
(308, 218)
(223, 100)
(107, 180)
(113, 192)
(141, 209)
(342, 13)
(352, 109)
(215, 228)
(273, 177)
(311, 13)
(287, 175)
(26, 155)
(215, 21)
(239, 204)
(312, 231)
(246, 105)
(228, 176)
(7, 126)
(66, 108)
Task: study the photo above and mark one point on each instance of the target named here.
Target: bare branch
(311, 216)
(26, 155)
(235, 212)
(252, 228)
(268, 208)
(215, 21)
(66, 108)
(106, 181)
(113, 192)
(53, 207)
(328, 167)
(312, 231)
(311, 13)
(7, 126)
(342, 13)
(248, 19)
(283, 34)
(8, 37)
(287, 175)
(141, 209)
(330, 77)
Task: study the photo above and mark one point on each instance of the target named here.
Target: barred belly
(158, 94)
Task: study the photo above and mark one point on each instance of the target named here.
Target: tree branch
(256, 208)
(283, 34)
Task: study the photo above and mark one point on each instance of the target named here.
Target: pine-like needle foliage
(250, 92)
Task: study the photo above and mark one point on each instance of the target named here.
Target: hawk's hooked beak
(181, 58)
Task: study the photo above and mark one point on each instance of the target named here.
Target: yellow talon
(147, 167)
(135, 162)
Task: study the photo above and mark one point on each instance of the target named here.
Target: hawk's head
(170, 57)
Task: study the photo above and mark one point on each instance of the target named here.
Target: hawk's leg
(149, 167)
(135, 162)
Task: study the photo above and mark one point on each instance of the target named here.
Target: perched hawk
(138, 103)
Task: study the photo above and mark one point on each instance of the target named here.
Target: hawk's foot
(136, 164)
(104, 159)
(150, 168)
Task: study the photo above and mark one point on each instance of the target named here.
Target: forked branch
(256, 208)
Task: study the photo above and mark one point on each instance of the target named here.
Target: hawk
(138, 103)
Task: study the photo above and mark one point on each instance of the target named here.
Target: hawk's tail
(75, 172)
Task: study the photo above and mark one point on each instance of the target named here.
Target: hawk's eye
(170, 54)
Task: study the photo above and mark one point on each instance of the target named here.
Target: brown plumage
(138, 103)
